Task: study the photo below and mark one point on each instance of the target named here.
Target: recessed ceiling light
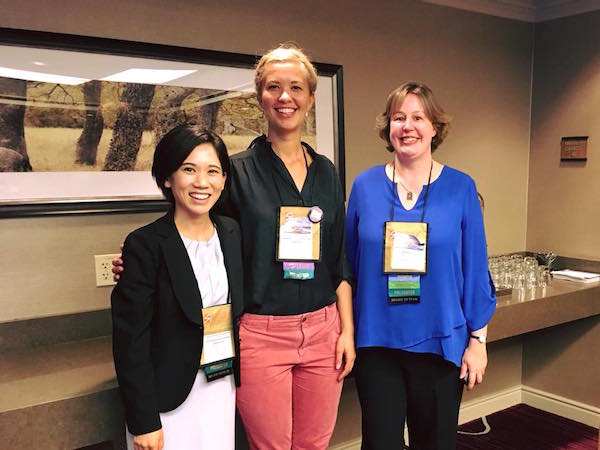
(39, 76)
(39, 63)
(147, 76)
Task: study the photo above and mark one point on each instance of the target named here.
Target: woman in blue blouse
(420, 329)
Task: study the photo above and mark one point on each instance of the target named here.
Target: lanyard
(277, 185)
(395, 192)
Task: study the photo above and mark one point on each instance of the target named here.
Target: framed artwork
(80, 117)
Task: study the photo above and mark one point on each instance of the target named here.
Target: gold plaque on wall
(573, 148)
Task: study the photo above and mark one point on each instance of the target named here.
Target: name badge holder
(405, 253)
(299, 240)
(218, 348)
(405, 260)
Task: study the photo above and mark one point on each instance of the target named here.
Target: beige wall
(47, 266)
(565, 361)
(564, 206)
(478, 65)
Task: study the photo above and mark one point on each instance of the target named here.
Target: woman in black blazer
(177, 268)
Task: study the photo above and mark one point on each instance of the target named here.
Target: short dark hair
(433, 111)
(176, 146)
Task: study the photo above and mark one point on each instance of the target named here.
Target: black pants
(421, 388)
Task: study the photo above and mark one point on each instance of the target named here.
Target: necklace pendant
(409, 195)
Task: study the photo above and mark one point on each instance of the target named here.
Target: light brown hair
(432, 109)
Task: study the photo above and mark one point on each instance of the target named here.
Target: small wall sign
(573, 148)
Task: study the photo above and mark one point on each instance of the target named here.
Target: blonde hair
(433, 111)
(285, 52)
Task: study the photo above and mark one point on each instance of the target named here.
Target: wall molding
(523, 10)
(554, 9)
(489, 404)
(562, 406)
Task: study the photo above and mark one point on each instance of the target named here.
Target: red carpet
(522, 427)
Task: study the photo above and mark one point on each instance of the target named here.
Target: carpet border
(561, 406)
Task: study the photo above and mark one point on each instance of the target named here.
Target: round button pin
(315, 214)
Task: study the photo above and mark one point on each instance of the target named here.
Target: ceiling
(524, 10)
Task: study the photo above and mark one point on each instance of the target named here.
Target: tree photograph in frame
(80, 117)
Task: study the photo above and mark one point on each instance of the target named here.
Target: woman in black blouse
(297, 333)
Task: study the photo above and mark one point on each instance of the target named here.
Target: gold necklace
(409, 194)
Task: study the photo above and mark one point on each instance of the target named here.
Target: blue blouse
(457, 294)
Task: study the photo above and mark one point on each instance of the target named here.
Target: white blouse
(207, 261)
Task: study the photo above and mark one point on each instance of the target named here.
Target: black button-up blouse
(259, 185)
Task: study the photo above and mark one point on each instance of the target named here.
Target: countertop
(59, 396)
(529, 310)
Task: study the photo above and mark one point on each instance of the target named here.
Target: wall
(48, 267)
(563, 207)
(564, 211)
(479, 66)
(565, 361)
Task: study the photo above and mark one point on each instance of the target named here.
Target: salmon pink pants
(289, 392)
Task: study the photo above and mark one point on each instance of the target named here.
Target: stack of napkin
(576, 275)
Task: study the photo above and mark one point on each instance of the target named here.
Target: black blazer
(157, 318)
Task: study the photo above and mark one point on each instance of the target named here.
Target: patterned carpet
(523, 427)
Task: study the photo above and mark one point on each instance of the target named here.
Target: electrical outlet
(104, 275)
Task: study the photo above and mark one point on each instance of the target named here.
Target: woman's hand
(344, 351)
(117, 266)
(149, 441)
(474, 362)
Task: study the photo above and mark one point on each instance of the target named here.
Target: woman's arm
(149, 441)
(474, 361)
(345, 350)
(479, 298)
(352, 232)
(132, 314)
(117, 265)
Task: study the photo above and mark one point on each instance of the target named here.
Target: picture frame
(57, 85)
